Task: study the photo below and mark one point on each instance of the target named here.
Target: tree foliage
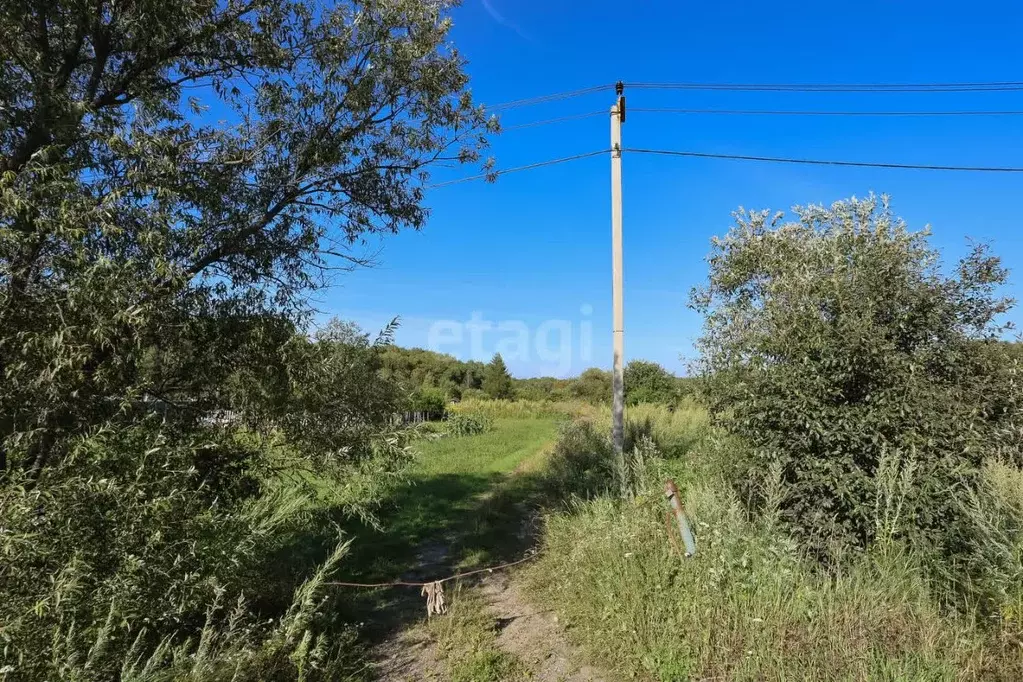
(415, 368)
(593, 386)
(843, 354)
(497, 381)
(648, 382)
(175, 178)
(169, 169)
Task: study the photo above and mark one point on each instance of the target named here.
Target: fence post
(671, 492)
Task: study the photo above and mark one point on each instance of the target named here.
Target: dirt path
(476, 504)
(529, 634)
(409, 656)
(534, 635)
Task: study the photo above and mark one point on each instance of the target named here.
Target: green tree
(417, 369)
(474, 373)
(175, 178)
(168, 166)
(497, 382)
(842, 355)
(648, 382)
(593, 385)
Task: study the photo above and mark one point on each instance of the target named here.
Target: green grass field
(452, 502)
(468, 499)
(512, 442)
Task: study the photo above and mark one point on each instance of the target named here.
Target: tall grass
(87, 622)
(521, 409)
(751, 605)
(675, 429)
(468, 423)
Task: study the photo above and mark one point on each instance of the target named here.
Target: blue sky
(535, 246)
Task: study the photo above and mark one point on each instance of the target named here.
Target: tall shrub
(648, 382)
(842, 352)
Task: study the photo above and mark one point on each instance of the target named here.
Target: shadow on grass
(444, 523)
(441, 525)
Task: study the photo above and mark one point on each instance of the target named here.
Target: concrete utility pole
(617, 280)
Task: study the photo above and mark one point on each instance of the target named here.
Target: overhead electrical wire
(985, 86)
(783, 112)
(506, 171)
(991, 86)
(560, 119)
(543, 99)
(823, 162)
(764, 112)
(812, 87)
(738, 157)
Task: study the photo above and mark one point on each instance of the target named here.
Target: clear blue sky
(535, 246)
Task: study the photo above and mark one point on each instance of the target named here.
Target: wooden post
(671, 492)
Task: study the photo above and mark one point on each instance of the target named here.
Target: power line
(543, 99)
(991, 86)
(533, 124)
(820, 162)
(987, 86)
(540, 164)
(736, 157)
(772, 112)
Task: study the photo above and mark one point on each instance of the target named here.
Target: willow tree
(859, 369)
(175, 176)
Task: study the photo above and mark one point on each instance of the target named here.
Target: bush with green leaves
(838, 342)
(593, 386)
(469, 423)
(582, 463)
(648, 382)
(430, 402)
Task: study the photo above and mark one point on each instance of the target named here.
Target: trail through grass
(461, 507)
(468, 502)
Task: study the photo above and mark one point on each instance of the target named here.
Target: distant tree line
(431, 378)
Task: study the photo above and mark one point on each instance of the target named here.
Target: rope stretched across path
(405, 583)
(433, 590)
